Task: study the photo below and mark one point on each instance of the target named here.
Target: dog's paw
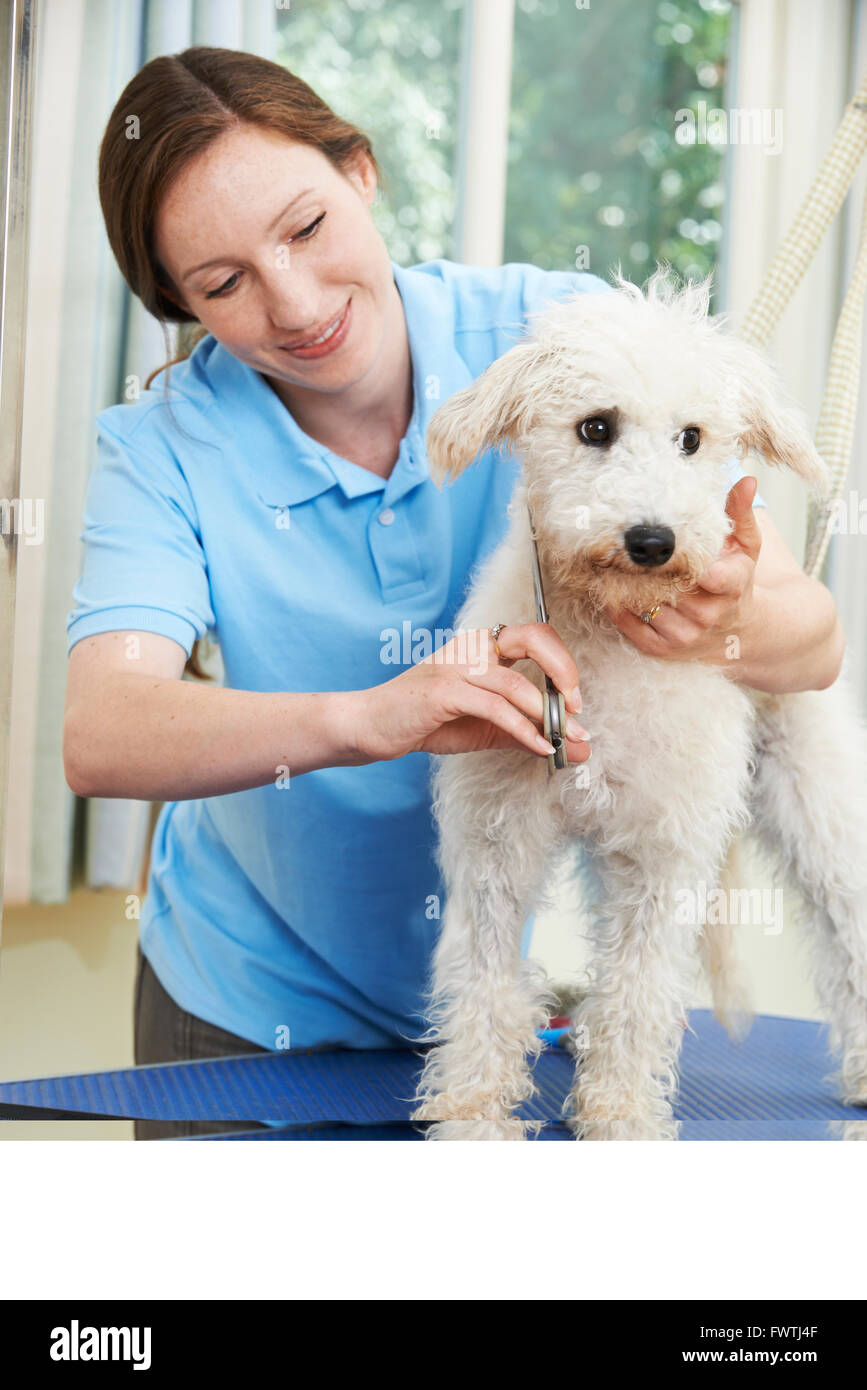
(855, 1095)
(464, 1105)
(510, 1128)
(615, 1127)
(848, 1130)
(851, 1079)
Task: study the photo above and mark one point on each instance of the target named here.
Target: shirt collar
(302, 468)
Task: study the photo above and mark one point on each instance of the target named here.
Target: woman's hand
(707, 619)
(462, 698)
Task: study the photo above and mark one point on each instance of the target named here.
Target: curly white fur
(683, 759)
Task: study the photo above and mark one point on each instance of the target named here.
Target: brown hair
(174, 108)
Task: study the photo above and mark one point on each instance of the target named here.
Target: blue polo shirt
(311, 907)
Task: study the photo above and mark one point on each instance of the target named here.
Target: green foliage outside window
(594, 158)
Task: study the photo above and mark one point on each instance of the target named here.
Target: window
(598, 158)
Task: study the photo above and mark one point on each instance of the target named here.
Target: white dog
(629, 510)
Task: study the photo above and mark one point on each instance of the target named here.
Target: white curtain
(86, 333)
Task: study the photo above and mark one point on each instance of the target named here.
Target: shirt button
(387, 516)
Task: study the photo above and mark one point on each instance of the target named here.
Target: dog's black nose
(649, 545)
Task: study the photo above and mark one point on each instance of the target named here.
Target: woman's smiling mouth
(328, 340)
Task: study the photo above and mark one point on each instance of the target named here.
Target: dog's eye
(596, 430)
(690, 438)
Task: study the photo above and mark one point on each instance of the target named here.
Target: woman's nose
(291, 299)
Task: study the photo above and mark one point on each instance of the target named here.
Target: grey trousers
(164, 1032)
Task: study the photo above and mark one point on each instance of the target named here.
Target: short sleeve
(540, 286)
(144, 567)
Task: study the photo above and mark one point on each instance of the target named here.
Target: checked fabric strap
(835, 430)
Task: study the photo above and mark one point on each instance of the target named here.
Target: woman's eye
(306, 234)
(223, 289)
(689, 439)
(595, 430)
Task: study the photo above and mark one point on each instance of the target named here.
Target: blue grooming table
(774, 1085)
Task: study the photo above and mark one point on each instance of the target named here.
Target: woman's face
(267, 244)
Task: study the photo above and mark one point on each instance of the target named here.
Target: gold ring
(495, 632)
(648, 615)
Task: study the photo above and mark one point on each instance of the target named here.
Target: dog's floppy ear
(772, 423)
(494, 409)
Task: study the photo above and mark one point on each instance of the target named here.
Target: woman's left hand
(708, 617)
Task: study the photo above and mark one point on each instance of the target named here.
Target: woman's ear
(772, 423)
(496, 408)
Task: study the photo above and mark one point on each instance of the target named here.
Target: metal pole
(17, 20)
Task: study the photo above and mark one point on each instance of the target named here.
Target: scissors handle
(554, 725)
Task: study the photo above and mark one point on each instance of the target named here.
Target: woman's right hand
(463, 699)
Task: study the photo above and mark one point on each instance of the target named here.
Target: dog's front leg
(485, 1002)
(628, 1030)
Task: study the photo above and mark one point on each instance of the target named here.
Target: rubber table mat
(774, 1085)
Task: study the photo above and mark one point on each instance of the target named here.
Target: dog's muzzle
(649, 545)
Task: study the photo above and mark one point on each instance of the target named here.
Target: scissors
(554, 716)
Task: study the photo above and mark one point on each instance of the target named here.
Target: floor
(66, 982)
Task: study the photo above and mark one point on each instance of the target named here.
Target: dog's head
(624, 408)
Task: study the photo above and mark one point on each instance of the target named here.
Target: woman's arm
(755, 612)
(794, 639)
(133, 728)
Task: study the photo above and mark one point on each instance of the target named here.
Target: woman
(277, 496)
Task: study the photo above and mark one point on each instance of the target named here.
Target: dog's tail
(731, 1000)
